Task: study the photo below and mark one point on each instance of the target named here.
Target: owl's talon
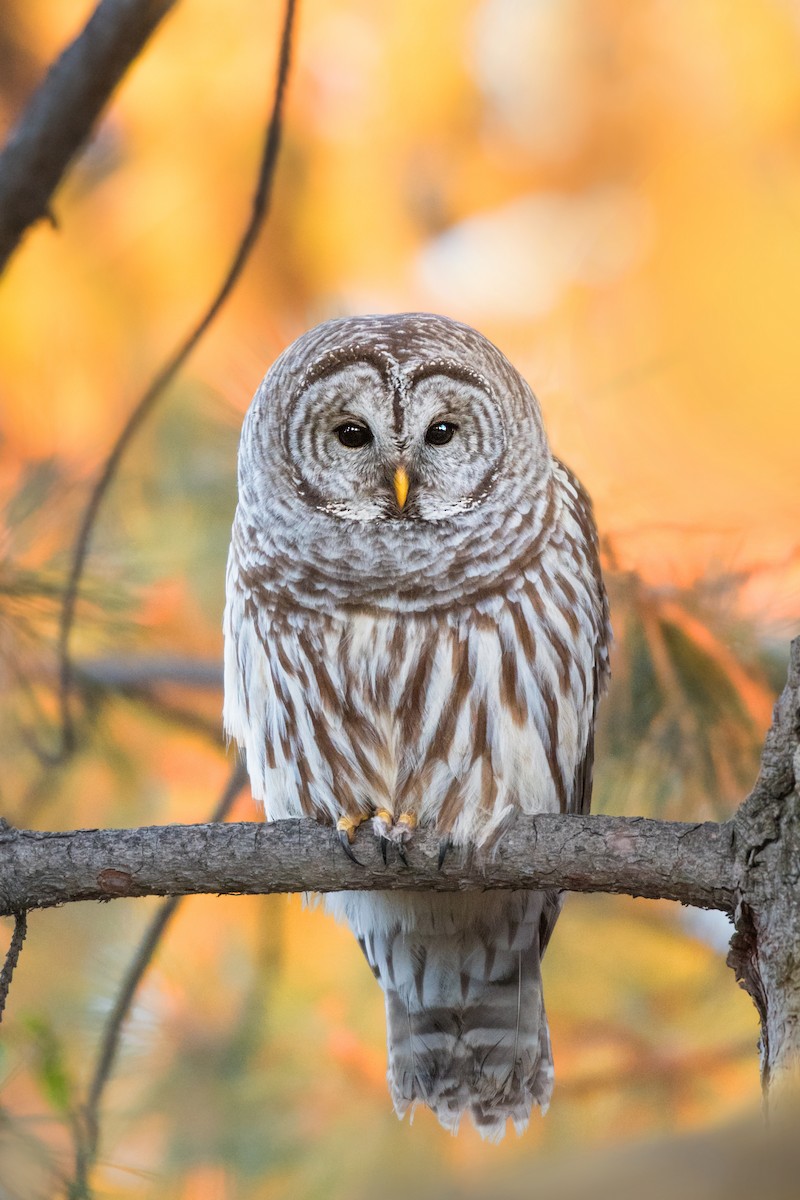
(445, 845)
(348, 849)
(346, 828)
(391, 832)
(383, 825)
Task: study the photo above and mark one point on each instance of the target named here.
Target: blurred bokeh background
(609, 191)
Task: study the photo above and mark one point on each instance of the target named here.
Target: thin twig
(88, 1129)
(61, 113)
(121, 672)
(144, 407)
(12, 958)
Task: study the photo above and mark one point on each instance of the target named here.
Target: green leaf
(49, 1066)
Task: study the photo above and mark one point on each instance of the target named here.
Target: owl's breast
(460, 717)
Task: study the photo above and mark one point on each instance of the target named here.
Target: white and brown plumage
(416, 630)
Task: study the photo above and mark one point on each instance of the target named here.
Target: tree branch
(147, 402)
(692, 863)
(12, 957)
(148, 671)
(63, 110)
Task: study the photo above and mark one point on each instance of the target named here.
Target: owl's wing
(579, 505)
(581, 797)
(582, 787)
(580, 803)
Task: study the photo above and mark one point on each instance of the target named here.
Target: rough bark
(63, 110)
(694, 864)
(765, 951)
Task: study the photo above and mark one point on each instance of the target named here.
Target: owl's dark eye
(353, 435)
(440, 433)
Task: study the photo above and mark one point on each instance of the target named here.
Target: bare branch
(692, 863)
(63, 110)
(12, 958)
(148, 671)
(259, 209)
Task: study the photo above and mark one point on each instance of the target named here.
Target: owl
(416, 633)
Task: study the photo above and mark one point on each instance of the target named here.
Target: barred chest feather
(460, 716)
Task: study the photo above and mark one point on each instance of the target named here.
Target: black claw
(445, 845)
(348, 849)
(401, 854)
(385, 851)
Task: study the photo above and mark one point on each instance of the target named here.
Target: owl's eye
(440, 433)
(353, 435)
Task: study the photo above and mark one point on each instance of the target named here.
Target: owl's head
(395, 461)
(406, 418)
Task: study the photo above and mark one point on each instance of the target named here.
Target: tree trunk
(765, 950)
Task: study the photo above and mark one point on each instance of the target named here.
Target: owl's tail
(466, 1025)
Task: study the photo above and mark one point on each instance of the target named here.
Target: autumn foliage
(611, 192)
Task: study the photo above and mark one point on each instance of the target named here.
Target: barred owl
(416, 631)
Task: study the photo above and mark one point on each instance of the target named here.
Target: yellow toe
(349, 825)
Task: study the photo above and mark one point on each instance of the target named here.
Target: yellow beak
(401, 485)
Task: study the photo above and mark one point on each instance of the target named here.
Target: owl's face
(367, 446)
(388, 458)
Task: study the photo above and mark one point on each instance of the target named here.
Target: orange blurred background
(611, 192)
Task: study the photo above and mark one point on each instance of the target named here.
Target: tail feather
(466, 1026)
